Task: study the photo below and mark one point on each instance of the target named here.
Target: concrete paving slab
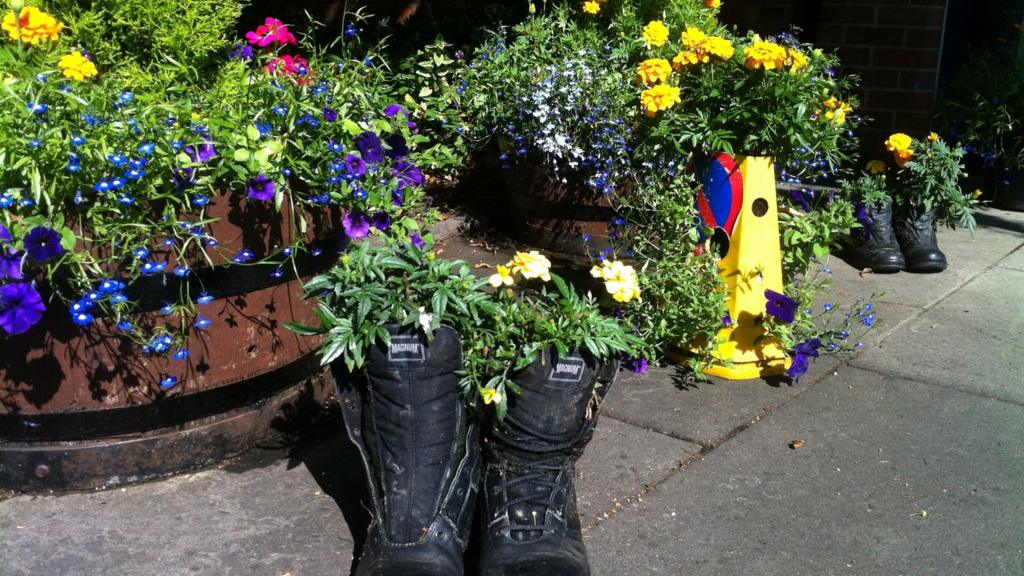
(967, 258)
(1002, 221)
(896, 477)
(971, 341)
(620, 461)
(1015, 260)
(702, 412)
(267, 521)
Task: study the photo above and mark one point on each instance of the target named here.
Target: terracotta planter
(91, 391)
(552, 215)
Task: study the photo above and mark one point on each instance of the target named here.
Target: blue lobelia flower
(244, 256)
(43, 244)
(204, 298)
(200, 200)
(169, 382)
(82, 318)
(140, 252)
(21, 307)
(781, 306)
(182, 354)
(153, 267)
(202, 322)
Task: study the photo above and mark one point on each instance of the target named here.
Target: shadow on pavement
(989, 219)
(314, 435)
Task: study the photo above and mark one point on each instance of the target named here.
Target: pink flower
(290, 65)
(272, 31)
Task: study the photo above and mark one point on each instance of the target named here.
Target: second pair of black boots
(421, 447)
(896, 241)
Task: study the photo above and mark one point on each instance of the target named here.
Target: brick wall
(893, 45)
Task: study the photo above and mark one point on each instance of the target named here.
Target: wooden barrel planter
(553, 215)
(83, 407)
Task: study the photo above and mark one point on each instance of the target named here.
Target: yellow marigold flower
(619, 280)
(76, 66)
(877, 167)
(898, 142)
(978, 193)
(932, 136)
(713, 3)
(796, 60)
(684, 59)
(656, 33)
(653, 71)
(765, 55)
(694, 38)
(32, 26)
(658, 98)
(503, 277)
(836, 110)
(531, 265)
(591, 7)
(490, 396)
(720, 47)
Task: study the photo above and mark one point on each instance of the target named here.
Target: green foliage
(390, 283)
(144, 43)
(870, 189)
(684, 302)
(931, 180)
(809, 237)
(983, 106)
(430, 83)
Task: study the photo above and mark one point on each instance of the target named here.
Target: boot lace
(539, 483)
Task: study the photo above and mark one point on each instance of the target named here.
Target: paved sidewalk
(912, 463)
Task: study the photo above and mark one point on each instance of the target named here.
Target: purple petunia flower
(397, 145)
(262, 188)
(407, 175)
(5, 234)
(21, 307)
(10, 264)
(394, 110)
(356, 225)
(864, 219)
(355, 166)
(382, 221)
(330, 114)
(370, 149)
(802, 354)
(241, 51)
(203, 153)
(637, 365)
(43, 244)
(781, 306)
(727, 319)
(417, 241)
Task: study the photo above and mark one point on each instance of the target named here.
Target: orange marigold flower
(765, 55)
(653, 71)
(713, 3)
(32, 26)
(658, 98)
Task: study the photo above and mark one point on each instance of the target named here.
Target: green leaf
(241, 155)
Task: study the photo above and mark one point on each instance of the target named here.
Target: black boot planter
(530, 524)
(915, 231)
(876, 248)
(422, 455)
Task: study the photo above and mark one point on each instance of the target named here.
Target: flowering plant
(501, 331)
(926, 174)
(555, 90)
(104, 191)
(707, 90)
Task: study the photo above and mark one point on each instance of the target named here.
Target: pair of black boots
(421, 446)
(899, 240)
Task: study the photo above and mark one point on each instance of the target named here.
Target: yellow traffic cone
(752, 265)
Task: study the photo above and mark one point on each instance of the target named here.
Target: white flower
(425, 319)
